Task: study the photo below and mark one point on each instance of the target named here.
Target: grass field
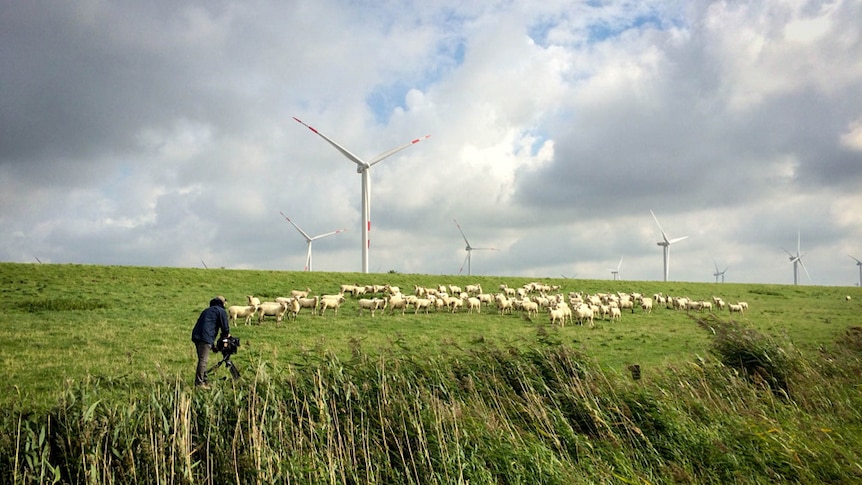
(70, 321)
(99, 368)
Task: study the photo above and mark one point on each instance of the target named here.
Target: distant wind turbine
(719, 273)
(363, 168)
(859, 264)
(665, 244)
(309, 239)
(470, 250)
(616, 272)
(797, 260)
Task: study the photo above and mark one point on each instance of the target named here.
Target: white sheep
(246, 312)
(472, 303)
(253, 300)
(396, 302)
(311, 303)
(616, 314)
(421, 304)
(371, 304)
(557, 315)
(331, 301)
(646, 304)
(300, 293)
(272, 309)
(735, 308)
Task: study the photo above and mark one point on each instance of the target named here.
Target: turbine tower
(616, 272)
(796, 259)
(363, 168)
(309, 239)
(859, 264)
(665, 244)
(470, 250)
(719, 273)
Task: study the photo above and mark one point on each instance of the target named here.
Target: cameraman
(204, 334)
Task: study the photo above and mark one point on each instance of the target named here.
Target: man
(209, 323)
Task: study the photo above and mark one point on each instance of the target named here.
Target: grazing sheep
(735, 308)
(421, 304)
(472, 303)
(557, 315)
(646, 304)
(271, 309)
(584, 313)
(504, 304)
(311, 303)
(371, 304)
(616, 314)
(246, 312)
(396, 302)
(530, 307)
(300, 293)
(334, 301)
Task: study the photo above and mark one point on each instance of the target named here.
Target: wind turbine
(309, 239)
(469, 249)
(665, 244)
(363, 168)
(859, 264)
(616, 272)
(719, 273)
(797, 260)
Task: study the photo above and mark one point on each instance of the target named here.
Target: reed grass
(493, 414)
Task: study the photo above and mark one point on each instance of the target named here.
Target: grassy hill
(100, 356)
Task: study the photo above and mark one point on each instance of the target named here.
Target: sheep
(311, 303)
(735, 308)
(334, 301)
(744, 305)
(473, 289)
(396, 301)
(626, 303)
(557, 315)
(616, 314)
(246, 312)
(646, 304)
(455, 304)
(271, 308)
(504, 304)
(421, 304)
(530, 307)
(472, 303)
(584, 313)
(253, 300)
(293, 308)
(300, 293)
(371, 304)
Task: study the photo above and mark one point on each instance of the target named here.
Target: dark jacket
(210, 322)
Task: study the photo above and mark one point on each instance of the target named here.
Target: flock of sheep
(529, 300)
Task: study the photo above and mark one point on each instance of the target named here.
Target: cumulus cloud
(163, 134)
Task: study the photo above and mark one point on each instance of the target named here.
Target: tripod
(227, 363)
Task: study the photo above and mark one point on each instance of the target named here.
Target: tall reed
(482, 415)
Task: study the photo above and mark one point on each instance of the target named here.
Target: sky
(162, 133)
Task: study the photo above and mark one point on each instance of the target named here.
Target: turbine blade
(676, 240)
(663, 235)
(307, 237)
(460, 270)
(353, 158)
(462, 233)
(854, 259)
(619, 265)
(387, 154)
(804, 268)
(321, 236)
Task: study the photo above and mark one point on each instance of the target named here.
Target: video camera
(227, 346)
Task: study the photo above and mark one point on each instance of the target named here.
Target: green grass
(69, 321)
(99, 366)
